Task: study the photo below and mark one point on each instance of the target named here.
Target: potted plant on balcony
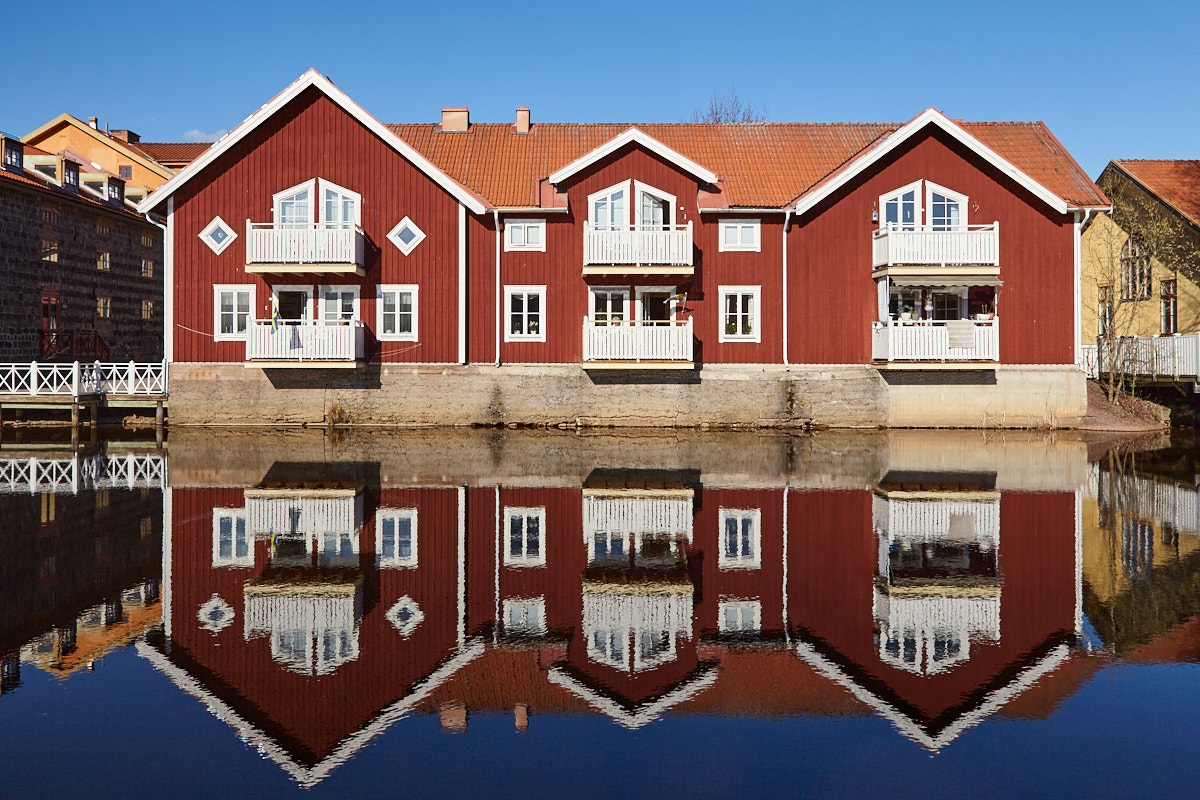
(906, 312)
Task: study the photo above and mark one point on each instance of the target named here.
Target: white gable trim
(644, 714)
(633, 135)
(313, 78)
(931, 116)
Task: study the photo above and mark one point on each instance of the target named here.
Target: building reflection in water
(317, 604)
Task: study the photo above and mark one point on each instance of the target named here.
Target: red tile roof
(1175, 182)
(173, 152)
(764, 165)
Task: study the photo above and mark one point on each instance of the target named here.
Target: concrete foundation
(721, 396)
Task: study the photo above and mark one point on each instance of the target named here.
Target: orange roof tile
(172, 151)
(1175, 182)
(763, 165)
(33, 179)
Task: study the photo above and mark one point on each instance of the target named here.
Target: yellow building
(1134, 282)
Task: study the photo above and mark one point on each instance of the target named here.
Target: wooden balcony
(637, 250)
(936, 343)
(275, 249)
(304, 344)
(649, 345)
(973, 245)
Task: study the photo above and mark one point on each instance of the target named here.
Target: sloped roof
(173, 152)
(1175, 182)
(34, 179)
(760, 165)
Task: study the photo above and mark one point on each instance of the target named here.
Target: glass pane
(387, 535)
(515, 539)
(533, 235)
(516, 235)
(748, 235)
(730, 233)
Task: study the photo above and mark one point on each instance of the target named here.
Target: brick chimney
(455, 120)
(523, 119)
(94, 123)
(126, 136)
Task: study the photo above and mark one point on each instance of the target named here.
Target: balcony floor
(643, 364)
(274, 363)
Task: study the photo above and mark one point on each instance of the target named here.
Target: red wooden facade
(831, 297)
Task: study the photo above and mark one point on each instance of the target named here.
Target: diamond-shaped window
(405, 616)
(218, 235)
(215, 614)
(406, 235)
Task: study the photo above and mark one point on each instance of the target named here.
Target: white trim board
(643, 714)
(930, 116)
(633, 136)
(325, 86)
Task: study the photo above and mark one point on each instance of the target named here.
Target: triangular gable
(66, 119)
(634, 136)
(248, 732)
(322, 84)
(643, 714)
(886, 144)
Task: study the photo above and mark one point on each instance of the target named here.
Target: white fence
(147, 379)
(61, 475)
(269, 243)
(1148, 498)
(975, 244)
(304, 517)
(896, 340)
(1174, 357)
(304, 342)
(646, 342)
(670, 516)
(633, 244)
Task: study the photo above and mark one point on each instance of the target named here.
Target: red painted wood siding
(833, 299)
(312, 137)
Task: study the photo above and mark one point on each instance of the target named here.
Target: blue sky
(1111, 79)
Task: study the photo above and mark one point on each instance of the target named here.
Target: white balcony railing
(295, 244)
(669, 245)
(667, 341)
(304, 341)
(954, 340)
(1157, 357)
(77, 379)
(968, 245)
(662, 516)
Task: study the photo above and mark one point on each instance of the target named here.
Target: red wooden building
(314, 236)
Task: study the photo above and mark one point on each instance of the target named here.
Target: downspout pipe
(499, 309)
(787, 218)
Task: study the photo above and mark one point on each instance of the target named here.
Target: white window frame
(310, 185)
(205, 235)
(640, 291)
(395, 515)
(523, 559)
(340, 289)
(533, 610)
(307, 288)
(394, 236)
(755, 317)
(509, 291)
(625, 185)
(621, 290)
(741, 224)
(918, 210)
(321, 211)
(234, 515)
(523, 225)
(740, 605)
(754, 560)
(397, 289)
(958, 197)
(235, 288)
(639, 188)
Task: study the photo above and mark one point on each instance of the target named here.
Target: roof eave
(634, 136)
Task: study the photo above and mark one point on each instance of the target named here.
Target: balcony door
(655, 209)
(608, 305)
(608, 209)
(293, 305)
(656, 305)
(339, 304)
(340, 208)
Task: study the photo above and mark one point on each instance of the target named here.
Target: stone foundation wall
(769, 396)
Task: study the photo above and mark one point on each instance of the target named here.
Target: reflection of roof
(93, 643)
(633, 717)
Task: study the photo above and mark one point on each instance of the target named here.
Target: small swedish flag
(275, 320)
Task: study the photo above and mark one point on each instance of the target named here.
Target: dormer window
(14, 154)
(71, 175)
(116, 190)
(923, 203)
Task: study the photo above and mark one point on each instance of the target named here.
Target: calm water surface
(518, 614)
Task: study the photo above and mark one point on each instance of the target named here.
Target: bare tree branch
(729, 108)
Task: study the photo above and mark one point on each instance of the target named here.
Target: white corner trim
(635, 136)
(325, 86)
(927, 117)
(169, 284)
(462, 284)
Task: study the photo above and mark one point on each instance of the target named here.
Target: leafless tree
(729, 107)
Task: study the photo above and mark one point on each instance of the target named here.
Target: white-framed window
(406, 236)
(901, 208)
(1168, 307)
(525, 537)
(740, 234)
(340, 207)
(396, 312)
(405, 615)
(947, 209)
(233, 311)
(396, 538)
(339, 304)
(525, 234)
(608, 209)
(608, 304)
(525, 616)
(14, 154)
(739, 616)
(741, 537)
(1135, 270)
(526, 312)
(740, 314)
(104, 307)
(337, 549)
(218, 235)
(1104, 310)
(232, 543)
(293, 207)
(655, 208)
